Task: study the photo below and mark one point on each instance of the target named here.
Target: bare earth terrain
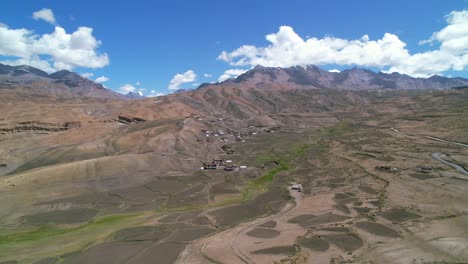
(112, 181)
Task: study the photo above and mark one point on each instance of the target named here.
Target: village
(220, 135)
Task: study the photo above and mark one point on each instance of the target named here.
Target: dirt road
(226, 246)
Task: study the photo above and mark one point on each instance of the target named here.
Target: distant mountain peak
(21, 70)
(357, 78)
(60, 74)
(62, 83)
(135, 95)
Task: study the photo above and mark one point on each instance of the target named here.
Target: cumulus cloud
(388, 53)
(46, 15)
(125, 89)
(87, 75)
(58, 50)
(232, 73)
(207, 75)
(102, 79)
(138, 83)
(181, 78)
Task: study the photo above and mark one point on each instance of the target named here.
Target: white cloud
(207, 75)
(46, 15)
(232, 73)
(50, 52)
(87, 75)
(154, 93)
(125, 89)
(179, 79)
(334, 70)
(102, 79)
(287, 49)
(138, 83)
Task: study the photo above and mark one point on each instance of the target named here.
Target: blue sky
(150, 42)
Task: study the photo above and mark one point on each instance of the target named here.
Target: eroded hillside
(112, 181)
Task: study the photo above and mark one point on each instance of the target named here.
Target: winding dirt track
(231, 252)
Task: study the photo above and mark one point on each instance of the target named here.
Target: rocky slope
(29, 81)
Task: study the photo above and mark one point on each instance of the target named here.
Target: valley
(95, 180)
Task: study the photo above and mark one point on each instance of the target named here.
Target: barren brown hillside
(95, 180)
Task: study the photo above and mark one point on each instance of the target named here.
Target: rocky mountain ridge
(27, 80)
(311, 76)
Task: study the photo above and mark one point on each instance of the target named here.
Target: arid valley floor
(112, 181)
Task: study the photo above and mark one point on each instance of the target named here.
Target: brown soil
(188, 216)
(201, 220)
(195, 195)
(164, 253)
(362, 210)
(281, 250)
(223, 188)
(311, 220)
(190, 234)
(367, 189)
(263, 233)
(51, 260)
(422, 176)
(346, 242)
(377, 229)
(170, 218)
(341, 196)
(336, 229)
(142, 233)
(109, 252)
(269, 224)
(314, 243)
(167, 185)
(260, 205)
(342, 208)
(399, 215)
(70, 216)
(347, 200)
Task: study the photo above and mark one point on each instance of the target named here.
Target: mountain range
(27, 80)
(311, 76)
(85, 172)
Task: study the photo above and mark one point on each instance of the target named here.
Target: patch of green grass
(42, 232)
(302, 149)
(285, 193)
(382, 198)
(269, 176)
(337, 130)
(48, 231)
(222, 203)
